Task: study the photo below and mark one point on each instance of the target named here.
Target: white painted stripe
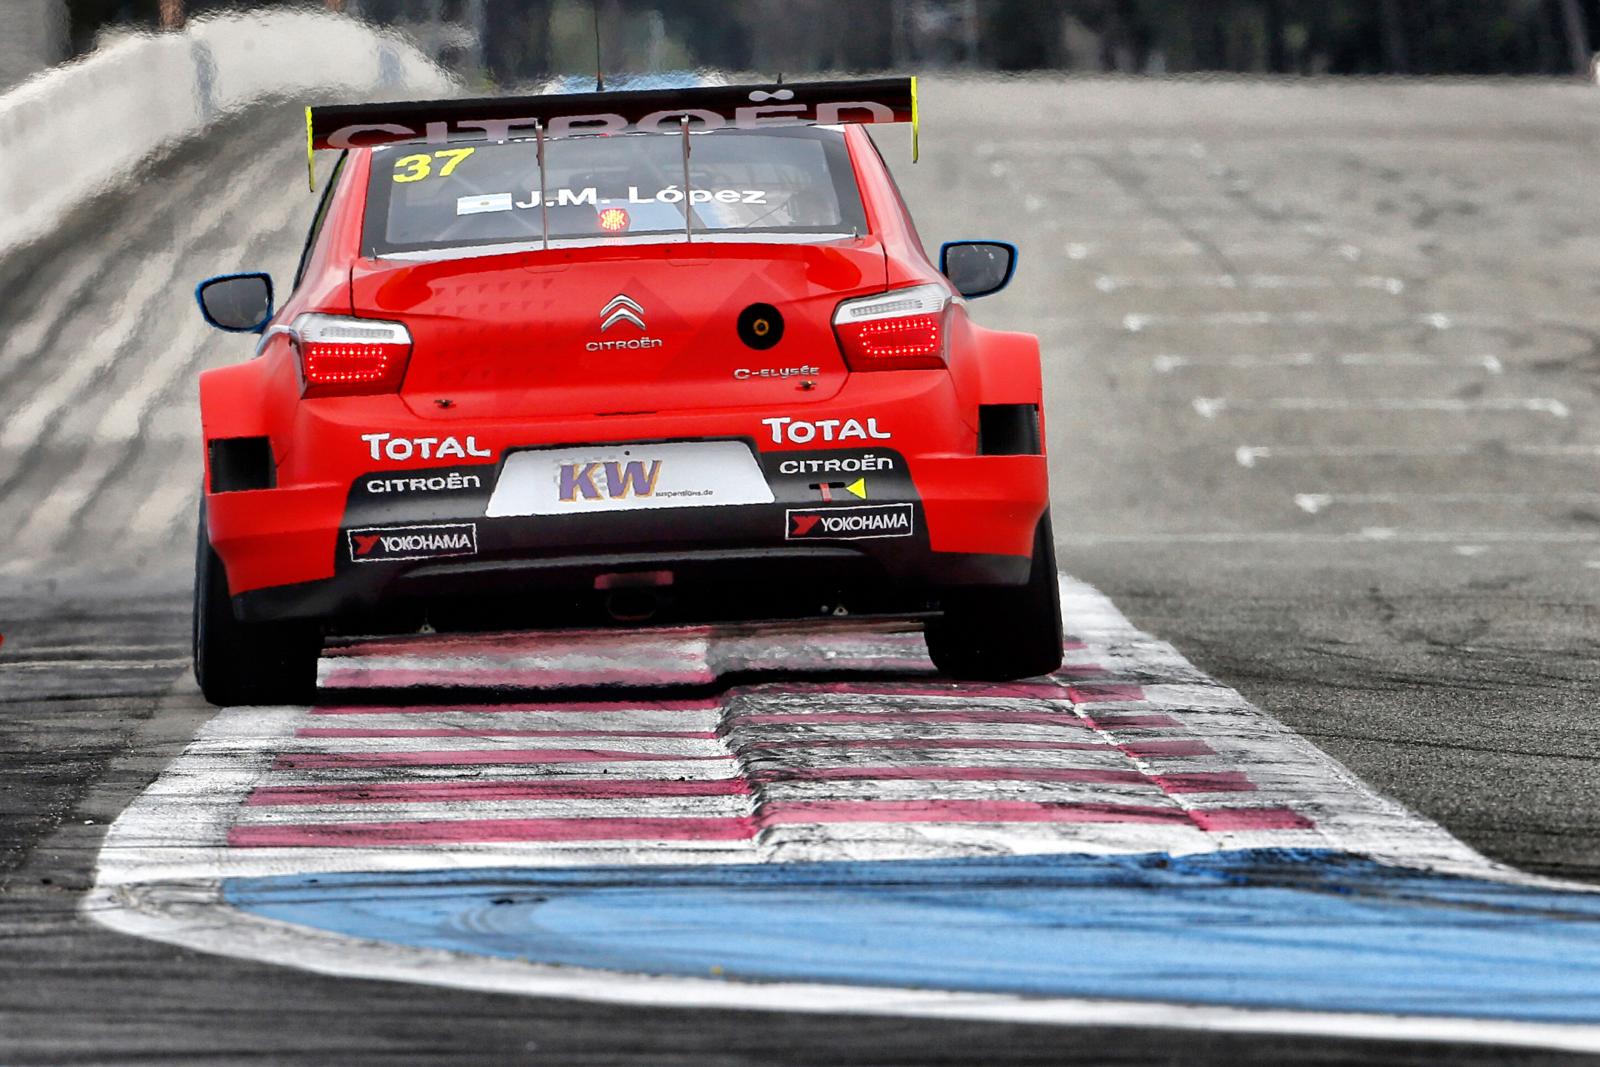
(1489, 362)
(666, 746)
(1256, 250)
(688, 655)
(1211, 406)
(554, 719)
(1168, 363)
(1439, 320)
(1250, 455)
(94, 650)
(1000, 733)
(805, 843)
(1315, 503)
(23, 342)
(11, 664)
(1368, 535)
(1146, 793)
(1110, 283)
(731, 807)
(799, 758)
(174, 502)
(638, 770)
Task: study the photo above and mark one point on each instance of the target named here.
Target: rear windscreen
(795, 181)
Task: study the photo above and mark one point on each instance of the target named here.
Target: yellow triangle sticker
(858, 488)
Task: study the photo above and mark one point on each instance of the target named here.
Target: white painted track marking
(1366, 535)
(1168, 362)
(1136, 322)
(1316, 503)
(1111, 283)
(1212, 406)
(163, 859)
(1162, 250)
(1251, 455)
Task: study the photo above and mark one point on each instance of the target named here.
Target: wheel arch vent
(1009, 430)
(241, 463)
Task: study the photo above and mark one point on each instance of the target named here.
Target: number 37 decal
(415, 168)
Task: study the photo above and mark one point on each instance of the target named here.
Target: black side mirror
(978, 268)
(239, 303)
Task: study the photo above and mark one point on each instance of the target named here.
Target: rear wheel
(1001, 633)
(246, 663)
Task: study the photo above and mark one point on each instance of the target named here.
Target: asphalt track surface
(1320, 364)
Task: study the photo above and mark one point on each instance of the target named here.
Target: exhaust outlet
(632, 605)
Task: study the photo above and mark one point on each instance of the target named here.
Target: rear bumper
(949, 521)
(292, 551)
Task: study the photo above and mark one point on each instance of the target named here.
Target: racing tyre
(246, 663)
(998, 634)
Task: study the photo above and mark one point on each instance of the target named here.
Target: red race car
(671, 355)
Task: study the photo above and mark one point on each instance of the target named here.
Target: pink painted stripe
(1094, 694)
(943, 773)
(1216, 820)
(1000, 744)
(1134, 722)
(485, 831)
(1205, 782)
(530, 678)
(1081, 670)
(448, 792)
(562, 706)
(461, 731)
(1167, 749)
(1038, 718)
(317, 761)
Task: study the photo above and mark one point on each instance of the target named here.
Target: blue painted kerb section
(1271, 928)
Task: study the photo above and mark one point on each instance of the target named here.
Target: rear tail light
(341, 356)
(899, 330)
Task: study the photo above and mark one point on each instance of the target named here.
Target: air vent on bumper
(239, 463)
(1008, 430)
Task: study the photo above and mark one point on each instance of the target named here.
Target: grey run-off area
(1379, 299)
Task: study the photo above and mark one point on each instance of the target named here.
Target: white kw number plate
(572, 481)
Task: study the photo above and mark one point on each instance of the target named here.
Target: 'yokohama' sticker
(848, 524)
(413, 542)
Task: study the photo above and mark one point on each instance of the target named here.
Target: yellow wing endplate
(916, 119)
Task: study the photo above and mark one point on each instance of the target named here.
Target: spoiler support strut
(688, 201)
(544, 205)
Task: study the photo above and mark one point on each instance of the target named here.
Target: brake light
(341, 356)
(899, 330)
(614, 220)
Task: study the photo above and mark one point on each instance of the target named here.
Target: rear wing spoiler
(502, 118)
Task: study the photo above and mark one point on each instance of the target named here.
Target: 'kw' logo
(622, 308)
(616, 480)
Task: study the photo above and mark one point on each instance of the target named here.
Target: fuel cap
(760, 326)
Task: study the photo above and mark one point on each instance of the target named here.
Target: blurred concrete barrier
(86, 126)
